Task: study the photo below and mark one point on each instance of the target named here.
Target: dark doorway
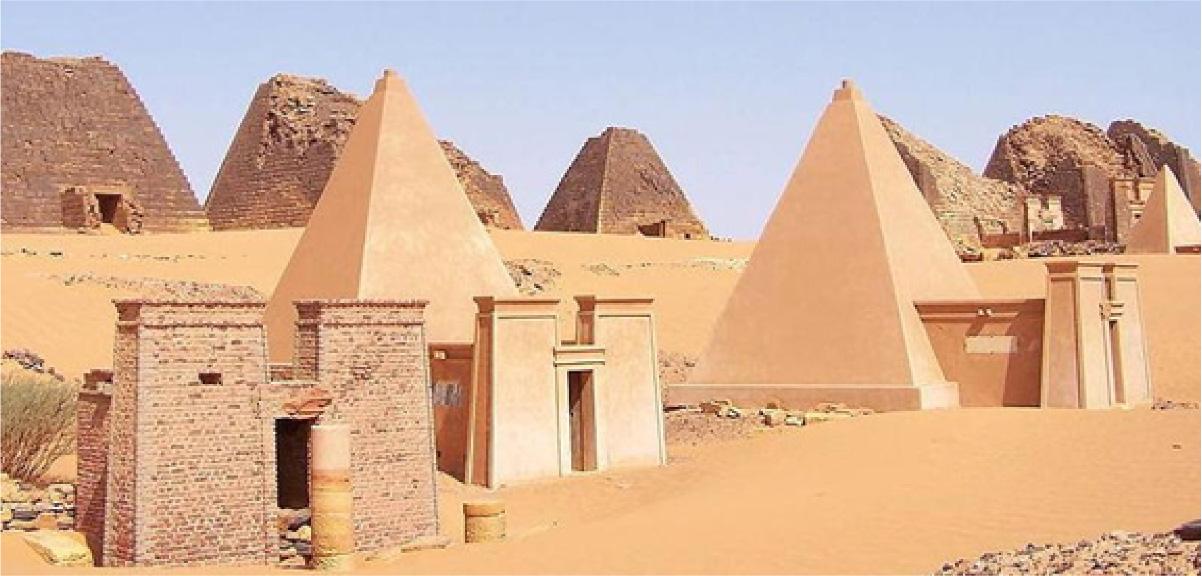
(655, 229)
(292, 462)
(108, 207)
(582, 420)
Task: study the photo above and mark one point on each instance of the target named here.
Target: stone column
(331, 497)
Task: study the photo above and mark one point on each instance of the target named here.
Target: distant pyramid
(825, 310)
(1168, 224)
(619, 185)
(392, 222)
(292, 135)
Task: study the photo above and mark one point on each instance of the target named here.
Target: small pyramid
(618, 184)
(392, 222)
(827, 300)
(1168, 224)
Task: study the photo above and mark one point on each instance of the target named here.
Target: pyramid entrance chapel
(882, 314)
(1168, 224)
(394, 345)
(619, 185)
(80, 151)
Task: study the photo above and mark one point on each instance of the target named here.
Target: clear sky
(728, 93)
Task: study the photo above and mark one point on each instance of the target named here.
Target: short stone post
(331, 497)
(483, 521)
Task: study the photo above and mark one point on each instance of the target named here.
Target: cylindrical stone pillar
(330, 497)
(483, 521)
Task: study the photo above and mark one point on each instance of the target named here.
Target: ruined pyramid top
(619, 185)
(393, 223)
(827, 298)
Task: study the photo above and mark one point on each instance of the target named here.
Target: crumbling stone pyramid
(1048, 155)
(392, 223)
(78, 149)
(292, 135)
(1148, 150)
(619, 185)
(1168, 224)
(282, 155)
(962, 201)
(825, 309)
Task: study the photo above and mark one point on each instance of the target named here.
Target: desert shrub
(37, 421)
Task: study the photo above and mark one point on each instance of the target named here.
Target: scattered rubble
(1112, 553)
(1164, 404)
(24, 506)
(719, 419)
(532, 276)
(32, 361)
(158, 288)
(296, 536)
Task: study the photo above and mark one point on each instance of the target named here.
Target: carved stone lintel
(308, 404)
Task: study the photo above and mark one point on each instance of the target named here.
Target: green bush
(37, 421)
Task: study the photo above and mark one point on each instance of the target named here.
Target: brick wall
(79, 122)
(186, 469)
(617, 184)
(372, 358)
(91, 418)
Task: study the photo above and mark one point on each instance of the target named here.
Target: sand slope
(72, 326)
(891, 493)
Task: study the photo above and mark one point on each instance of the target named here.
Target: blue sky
(728, 93)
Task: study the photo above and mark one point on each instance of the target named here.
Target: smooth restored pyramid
(825, 310)
(392, 222)
(1168, 224)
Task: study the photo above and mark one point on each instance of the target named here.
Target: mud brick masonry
(73, 124)
(180, 462)
(292, 135)
(619, 185)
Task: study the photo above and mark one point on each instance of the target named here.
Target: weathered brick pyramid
(619, 185)
(958, 196)
(292, 135)
(392, 223)
(78, 149)
(825, 309)
(1057, 155)
(1148, 150)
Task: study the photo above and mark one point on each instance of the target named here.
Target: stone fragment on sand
(1189, 531)
(46, 521)
(304, 533)
(775, 417)
(60, 548)
(792, 420)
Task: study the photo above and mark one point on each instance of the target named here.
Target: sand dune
(891, 493)
(72, 325)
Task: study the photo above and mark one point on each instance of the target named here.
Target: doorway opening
(109, 203)
(292, 462)
(582, 420)
(655, 229)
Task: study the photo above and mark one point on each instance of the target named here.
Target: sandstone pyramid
(1151, 149)
(1168, 224)
(392, 222)
(619, 185)
(825, 310)
(958, 197)
(75, 126)
(289, 140)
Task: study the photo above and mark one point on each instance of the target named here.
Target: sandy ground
(57, 288)
(889, 493)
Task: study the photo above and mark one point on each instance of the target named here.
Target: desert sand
(890, 493)
(58, 288)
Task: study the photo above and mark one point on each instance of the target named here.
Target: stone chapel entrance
(582, 420)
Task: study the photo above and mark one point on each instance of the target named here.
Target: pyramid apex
(388, 78)
(848, 91)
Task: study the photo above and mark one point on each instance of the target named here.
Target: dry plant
(37, 421)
